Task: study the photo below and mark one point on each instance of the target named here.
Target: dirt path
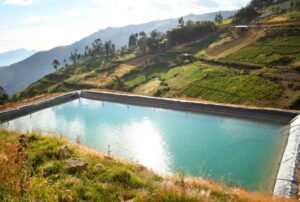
(230, 46)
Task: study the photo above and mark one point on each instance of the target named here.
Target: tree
(181, 22)
(190, 33)
(132, 41)
(142, 42)
(110, 48)
(3, 96)
(154, 40)
(98, 48)
(245, 15)
(73, 57)
(55, 64)
(66, 63)
(218, 18)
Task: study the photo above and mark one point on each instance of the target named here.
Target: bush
(125, 178)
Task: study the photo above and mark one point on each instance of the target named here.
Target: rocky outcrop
(76, 165)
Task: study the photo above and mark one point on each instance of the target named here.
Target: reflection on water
(139, 141)
(166, 141)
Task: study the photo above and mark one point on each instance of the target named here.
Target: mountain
(39, 64)
(14, 56)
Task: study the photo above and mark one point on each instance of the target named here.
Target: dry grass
(104, 79)
(278, 19)
(148, 88)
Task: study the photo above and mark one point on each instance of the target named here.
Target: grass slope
(44, 176)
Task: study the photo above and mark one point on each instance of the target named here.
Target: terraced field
(258, 66)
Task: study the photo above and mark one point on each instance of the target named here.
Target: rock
(63, 152)
(76, 165)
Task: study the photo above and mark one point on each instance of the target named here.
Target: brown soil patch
(278, 19)
(141, 60)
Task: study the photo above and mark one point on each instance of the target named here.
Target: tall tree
(181, 22)
(142, 42)
(73, 57)
(132, 41)
(218, 18)
(110, 48)
(55, 64)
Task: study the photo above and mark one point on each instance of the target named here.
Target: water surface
(241, 151)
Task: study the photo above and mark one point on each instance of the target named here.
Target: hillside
(45, 169)
(38, 65)
(257, 64)
(257, 67)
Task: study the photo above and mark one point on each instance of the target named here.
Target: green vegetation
(274, 49)
(227, 21)
(35, 168)
(125, 57)
(237, 89)
(219, 84)
(189, 32)
(245, 15)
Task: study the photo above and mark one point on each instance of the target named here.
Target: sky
(44, 24)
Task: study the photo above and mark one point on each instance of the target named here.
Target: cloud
(39, 19)
(20, 2)
(80, 12)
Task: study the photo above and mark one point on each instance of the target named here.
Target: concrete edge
(253, 113)
(31, 108)
(287, 181)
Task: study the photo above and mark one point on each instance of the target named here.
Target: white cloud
(79, 12)
(20, 2)
(39, 19)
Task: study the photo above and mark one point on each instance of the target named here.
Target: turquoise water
(240, 151)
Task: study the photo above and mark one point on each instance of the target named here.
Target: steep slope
(20, 75)
(14, 56)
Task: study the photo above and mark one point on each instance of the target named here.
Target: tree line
(142, 43)
(189, 31)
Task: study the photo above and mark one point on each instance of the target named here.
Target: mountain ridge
(13, 56)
